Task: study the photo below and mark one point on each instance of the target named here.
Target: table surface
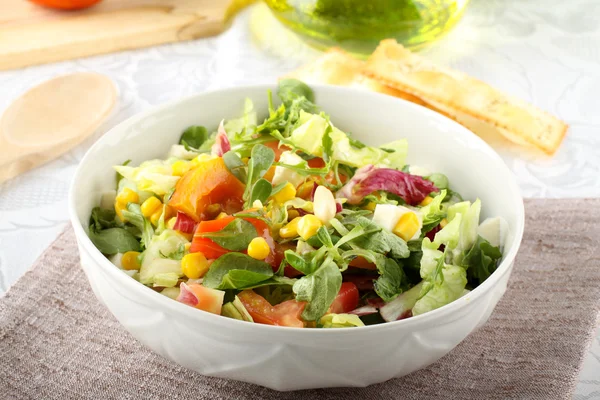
(544, 51)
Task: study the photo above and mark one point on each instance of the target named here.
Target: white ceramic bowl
(290, 358)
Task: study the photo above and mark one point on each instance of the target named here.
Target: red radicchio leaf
(222, 144)
(376, 302)
(338, 207)
(368, 179)
(312, 193)
(186, 296)
(431, 233)
(364, 310)
(184, 224)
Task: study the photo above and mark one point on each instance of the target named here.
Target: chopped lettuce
(153, 176)
(155, 265)
(442, 283)
(309, 135)
(240, 129)
(340, 321)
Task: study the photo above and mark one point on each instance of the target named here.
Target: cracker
(458, 94)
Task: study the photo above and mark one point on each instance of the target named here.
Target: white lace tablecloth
(544, 51)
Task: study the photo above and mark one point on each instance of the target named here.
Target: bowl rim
(428, 318)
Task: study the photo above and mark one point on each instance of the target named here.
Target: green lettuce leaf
(154, 263)
(481, 261)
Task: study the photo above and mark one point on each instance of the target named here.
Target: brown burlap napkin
(58, 342)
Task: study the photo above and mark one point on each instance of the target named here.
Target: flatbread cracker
(458, 94)
(336, 67)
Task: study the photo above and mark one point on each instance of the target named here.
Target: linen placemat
(58, 342)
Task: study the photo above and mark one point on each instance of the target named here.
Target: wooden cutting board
(30, 34)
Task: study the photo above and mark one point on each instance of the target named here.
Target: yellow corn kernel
(171, 223)
(194, 265)
(170, 212)
(258, 248)
(308, 226)
(288, 192)
(222, 215)
(290, 230)
(370, 206)
(127, 196)
(305, 190)
(292, 214)
(443, 223)
(180, 167)
(187, 246)
(123, 198)
(156, 216)
(407, 226)
(150, 206)
(129, 261)
(426, 201)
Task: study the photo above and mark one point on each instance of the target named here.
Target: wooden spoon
(52, 118)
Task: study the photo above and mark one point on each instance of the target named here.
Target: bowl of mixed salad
(261, 245)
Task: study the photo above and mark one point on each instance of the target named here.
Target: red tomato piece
(66, 4)
(274, 145)
(346, 299)
(262, 312)
(211, 250)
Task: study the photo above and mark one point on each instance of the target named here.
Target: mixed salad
(293, 222)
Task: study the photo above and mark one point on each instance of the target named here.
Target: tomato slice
(346, 299)
(360, 262)
(211, 250)
(262, 312)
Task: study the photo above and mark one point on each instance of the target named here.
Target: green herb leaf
(102, 219)
(174, 255)
(298, 262)
(114, 240)
(276, 189)
(261, 160)
(261, 191)
(290, 89)
(134, 215)
(236, 271)
(194, 137)
(235, 236)
(318, 290)
(235, 165)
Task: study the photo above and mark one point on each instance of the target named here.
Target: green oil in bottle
(359, 25)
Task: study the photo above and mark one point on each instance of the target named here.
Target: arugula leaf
(193, 137)
(134, 215)
(235, 165)
(261, 191)
(235, 236)
(236, 271)
(114, 240)
(481, 261)
(318, 289)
